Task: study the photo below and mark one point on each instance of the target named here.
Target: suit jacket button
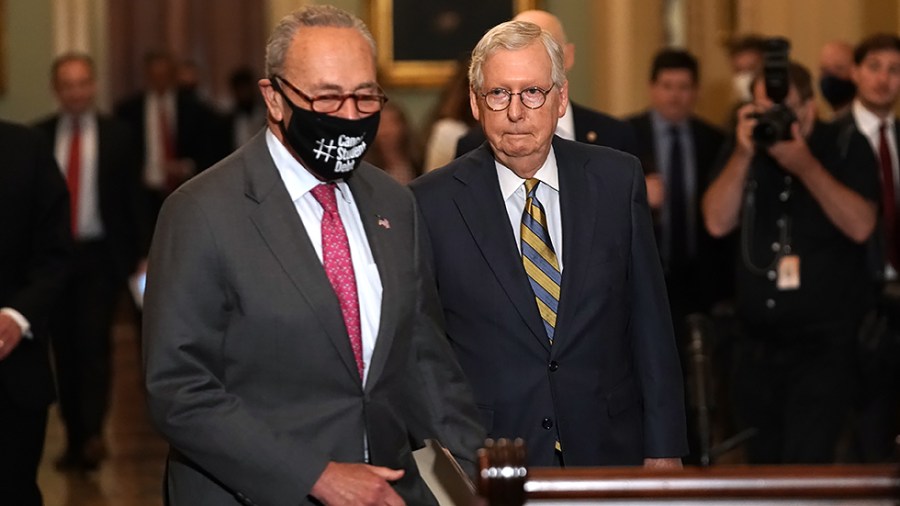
(554, 365)
(547, 423)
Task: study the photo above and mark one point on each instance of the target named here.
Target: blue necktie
(678, 225)
(539, 258)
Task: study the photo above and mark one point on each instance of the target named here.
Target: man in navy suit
(97, 158)
(548, 273)
(579, 123)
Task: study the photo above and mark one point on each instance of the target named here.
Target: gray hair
(311, 15)
(514, 35)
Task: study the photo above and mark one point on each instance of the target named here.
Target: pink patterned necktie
(339, 267)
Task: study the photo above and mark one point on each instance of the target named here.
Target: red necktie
(339, 267)
(888, 204)
(73, 174)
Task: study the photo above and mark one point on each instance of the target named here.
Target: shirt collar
(565, 127)
(662, 125)
(867, 121)
(510, 181)
(296, 178)
(86, 120)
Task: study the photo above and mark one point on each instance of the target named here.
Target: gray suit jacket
(249, 371)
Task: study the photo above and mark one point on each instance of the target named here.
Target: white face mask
(740, 83)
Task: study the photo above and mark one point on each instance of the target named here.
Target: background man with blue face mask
(293, 344)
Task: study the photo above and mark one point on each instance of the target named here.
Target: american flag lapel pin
(383, 222)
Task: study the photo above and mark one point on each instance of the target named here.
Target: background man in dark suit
(176, 134)
(96, 156)
(549, 275)
(34, 255)
(293, 343)
(876, 72)
(677, 151)
(579, 123)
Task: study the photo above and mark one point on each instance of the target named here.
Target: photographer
(804, 196)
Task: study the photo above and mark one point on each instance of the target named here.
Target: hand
(10, 335)
(793, 155)
(743, 132)
(674, 463)
(357, 484)
(656, 191)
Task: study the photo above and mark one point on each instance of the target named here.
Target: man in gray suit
(294, 349)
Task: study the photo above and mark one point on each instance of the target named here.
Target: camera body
(774, 125)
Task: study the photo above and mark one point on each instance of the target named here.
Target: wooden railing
(505, 481)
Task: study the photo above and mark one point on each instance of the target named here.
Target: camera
(775, 124)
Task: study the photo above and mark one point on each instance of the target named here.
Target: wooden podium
(504, 481)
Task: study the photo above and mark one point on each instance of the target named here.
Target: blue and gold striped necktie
(539, 258)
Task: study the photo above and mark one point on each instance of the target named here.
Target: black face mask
(329, 146)
(837, 91)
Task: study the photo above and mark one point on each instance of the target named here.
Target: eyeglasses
(498, 99)
(366, 103)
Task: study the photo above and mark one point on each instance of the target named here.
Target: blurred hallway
(132, 473)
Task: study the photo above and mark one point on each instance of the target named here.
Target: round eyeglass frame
(358, 98)
(510, 95)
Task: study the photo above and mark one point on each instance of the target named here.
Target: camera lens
(766, 133)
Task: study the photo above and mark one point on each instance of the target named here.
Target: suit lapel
(386, 258)
(484, 213)
(281, 228)
(580, 205)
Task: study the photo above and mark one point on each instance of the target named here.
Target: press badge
(788, 273)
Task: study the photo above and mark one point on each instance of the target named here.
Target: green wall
(29, 52)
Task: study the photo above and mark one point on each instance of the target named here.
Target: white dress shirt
(869, 124)
(512, 188)
(299, 183)
(90, 226)
(155, 155)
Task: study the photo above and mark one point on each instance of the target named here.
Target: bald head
(836, 59)
(551, 24)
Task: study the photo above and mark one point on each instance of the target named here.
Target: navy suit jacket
(591, 127)
(709, 276)
(610, 385)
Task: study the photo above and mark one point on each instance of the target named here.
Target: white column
(72, 25)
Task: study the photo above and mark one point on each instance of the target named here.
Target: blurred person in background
(804, 202)
(677, 150)
(96, 155)
(835, 80)
(451, 119)
(176, 135)
(395, 149)
(876, 73)
(247, 113)
(745, 56)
